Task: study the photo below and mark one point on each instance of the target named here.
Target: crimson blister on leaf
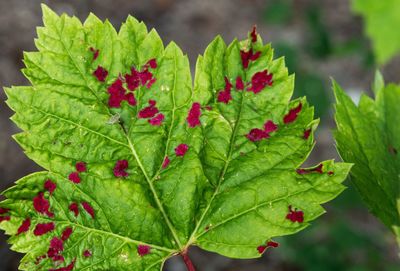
(224, 96)
(292, 114)
(101, 74)
(193, 118)
(239, 83)
(143, 250)
(43, 228)
(88, 208)
(307, 133)
(270, 126)
(42, 205)
(66, 233)
(50, 186)
(74, 207)
(259, 81)
(257, 135)
(80, 166)
(149, 111)
(26, 224)
(166, 162)
(181, 149)
(56, 247)
(120, 168)
(74, 177)
(157, 119)
(87, 253)
(95, 52)
(294, 215)
(249, 56)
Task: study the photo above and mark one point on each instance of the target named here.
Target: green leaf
(368, 136)
(209, 196)
(381, 25)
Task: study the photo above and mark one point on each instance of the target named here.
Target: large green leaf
(132, 209)
(369, 137)
(381, 25)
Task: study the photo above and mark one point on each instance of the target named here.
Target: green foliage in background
(226, 194)
(369, 137)
(382, 23)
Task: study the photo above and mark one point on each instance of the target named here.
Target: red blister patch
(50, 186)
(193, 118)
(295, 216)
(88, 208)
(292, 114)
(100, 73)
(143, 250)
(181, 149)
(224, 96)
(26, 224)
(259, 81)
(43, 228)
(120, 168)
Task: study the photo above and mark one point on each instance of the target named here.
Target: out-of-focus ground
(320, 39)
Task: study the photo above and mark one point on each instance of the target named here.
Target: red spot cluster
(66, 234)
(74, 207)
(118, 94)
(150, 112)
(262, 248)
(143, 250)
(120, 168)
(317, 169)
(181, 150)
(74, 176)
(249, 56)
(307, 133)
(55, 250)
(50, 186)
(239, 83)
(42, 205)
(143, 77)
(260, 80)
(43, 228)
(80, 167)
(292, 114)
(95, 52)
(87, 253)
(100, 73)
(3, 215)
(193, 118)
(157, 119)
(258, 134)
(224, 96)
(166, 162)
(295, 216)
(88, 208)
(26, 224)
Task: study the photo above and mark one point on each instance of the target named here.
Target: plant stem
(188, 262)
